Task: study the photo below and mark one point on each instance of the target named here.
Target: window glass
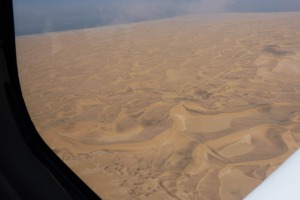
(191, 99)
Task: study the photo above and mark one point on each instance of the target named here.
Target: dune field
(193, 108)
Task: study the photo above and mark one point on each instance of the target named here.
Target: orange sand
(181, 108)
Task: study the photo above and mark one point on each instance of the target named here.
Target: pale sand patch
(264, 60)
(288, 67)
(189, 120)
(242, 146)
(230, 184)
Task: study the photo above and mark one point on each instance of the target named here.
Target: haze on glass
(165, 99)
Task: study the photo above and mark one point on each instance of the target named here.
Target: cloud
(208, 6)
(265, 6)
(138, 10)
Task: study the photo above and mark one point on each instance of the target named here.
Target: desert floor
(192, 107)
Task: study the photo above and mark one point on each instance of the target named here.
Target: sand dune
(182, 108)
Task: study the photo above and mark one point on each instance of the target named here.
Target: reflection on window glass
(190, 99)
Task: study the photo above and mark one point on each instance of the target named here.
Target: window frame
(29, 168)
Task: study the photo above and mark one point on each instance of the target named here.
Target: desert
(196, 107)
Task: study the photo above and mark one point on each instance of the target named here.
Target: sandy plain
(192, 107)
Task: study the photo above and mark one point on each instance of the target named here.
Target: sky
(37, 16)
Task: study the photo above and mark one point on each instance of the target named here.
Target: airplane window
(191, 99)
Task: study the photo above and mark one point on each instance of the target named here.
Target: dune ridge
(182, 108)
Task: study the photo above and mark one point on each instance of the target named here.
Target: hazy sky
(36, 16)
